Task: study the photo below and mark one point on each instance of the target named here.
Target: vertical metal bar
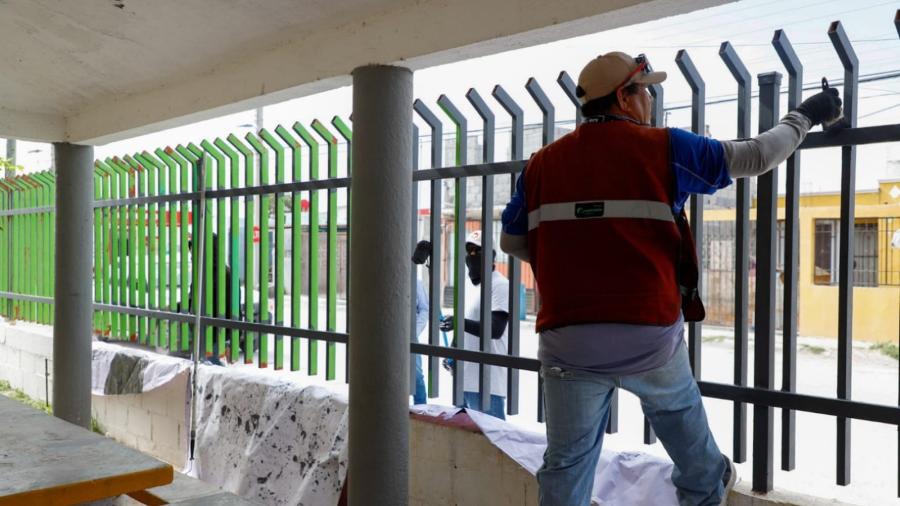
(791, 306)
(766, 246)
(264, 204)
(698, 126)
(487, 244)
(234, 246)
(125, 245)
(151, 248)
(206, 304)
(217, 289)
(347, 134)
(184, 336)
(331, 251)
(173, 264)
(313, 273)
(414, 278)
(897, 26)
(278, 148)
(249, 308)
(101, 239)
(514, 270)
(104, 271)
(568, 86)
(160, 217)
(459, 247)
(296, 239)
(549, 122)
(850, 62)
(434, 274)
(4, 250)
(110, 221)
(741, 257)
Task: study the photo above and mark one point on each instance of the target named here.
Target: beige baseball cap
(608, 72)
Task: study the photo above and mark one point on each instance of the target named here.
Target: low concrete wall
(24, 347)
(152, 422)
(453, 465)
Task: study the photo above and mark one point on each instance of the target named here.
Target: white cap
(474, 238)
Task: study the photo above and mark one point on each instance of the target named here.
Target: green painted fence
(266, 231)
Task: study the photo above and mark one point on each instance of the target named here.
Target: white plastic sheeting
(285, 443)
(270, 440)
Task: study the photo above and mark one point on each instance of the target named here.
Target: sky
(748, 25)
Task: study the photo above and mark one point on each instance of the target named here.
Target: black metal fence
(763, 395)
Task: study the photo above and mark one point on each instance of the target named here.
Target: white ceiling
(99, 70)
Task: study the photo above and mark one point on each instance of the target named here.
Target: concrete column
(379, 295)
(73, 292)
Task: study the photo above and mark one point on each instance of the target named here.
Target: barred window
(865, 252)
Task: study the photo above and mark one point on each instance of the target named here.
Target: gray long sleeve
(756, 156)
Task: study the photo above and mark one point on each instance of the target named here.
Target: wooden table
(48, 461)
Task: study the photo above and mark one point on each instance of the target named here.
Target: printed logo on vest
(589, 209)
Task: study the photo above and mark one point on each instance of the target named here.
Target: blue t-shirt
(700, 167)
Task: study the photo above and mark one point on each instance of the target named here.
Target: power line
(879, 111)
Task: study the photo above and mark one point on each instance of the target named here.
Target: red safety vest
(602, 238)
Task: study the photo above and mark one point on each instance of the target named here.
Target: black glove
(823, 107)
(448, 364)
(446, 324)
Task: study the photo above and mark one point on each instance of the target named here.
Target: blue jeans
(472, 400)
(419, 394)
(577, 409)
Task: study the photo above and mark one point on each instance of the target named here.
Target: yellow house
(876, 295)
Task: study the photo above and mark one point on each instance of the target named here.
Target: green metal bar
(296, 239)
(249, 298)
(4, 250)
(139, 237)
(16, 273)
(160, 218)
(278, 148)
(313, 324)
(174, 227)
(151, 219)
(51, 240)
(207, 272)
(45, 224)
(332, 273)
(220, 283)
(112, 224)
(264, 203)
(98, 251)
(106, 224)
(234, 306)
(184, 166)
(128, 238)
(29, 243)
(345, 132)
(48, 181)
(32, 247)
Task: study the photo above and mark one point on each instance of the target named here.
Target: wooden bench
(48, 461)
(187, 491)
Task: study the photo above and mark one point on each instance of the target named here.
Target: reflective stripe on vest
(563, 211)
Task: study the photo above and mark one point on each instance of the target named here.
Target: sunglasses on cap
(643, 67)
